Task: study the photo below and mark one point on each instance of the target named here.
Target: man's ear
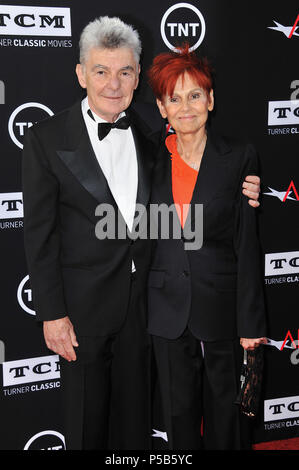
(81, 75)
(137, 77)
(161, 108)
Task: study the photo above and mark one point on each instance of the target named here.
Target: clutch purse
(250, 381)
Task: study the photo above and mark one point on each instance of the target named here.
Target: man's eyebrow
(100, 66)
(127, 67)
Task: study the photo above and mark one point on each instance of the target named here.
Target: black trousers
(199, 384)
(106, 391)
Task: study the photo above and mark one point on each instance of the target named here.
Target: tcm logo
(2, 92)
(281, 408)
(11, 206)
(288, 31)
(283, 112)
(25, 116)
(289, 193)
(18, 20)
(281, 263)
(24, 296)
(46, 440)
(35, 369)
(183, 22)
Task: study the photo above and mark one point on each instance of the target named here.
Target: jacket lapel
(210, 176)
(145, 157)
(145, 153)
(78, 155)
(212, 169)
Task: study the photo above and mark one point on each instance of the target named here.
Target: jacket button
(185, 273)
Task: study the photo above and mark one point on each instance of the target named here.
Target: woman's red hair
(169, 66)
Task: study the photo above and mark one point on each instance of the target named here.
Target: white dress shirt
(116, 155)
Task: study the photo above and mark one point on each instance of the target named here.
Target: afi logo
(34, 21)
(289, 337)
(284, 195)
(160, 434)
(288, 31)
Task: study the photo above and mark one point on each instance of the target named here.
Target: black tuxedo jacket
(215, 290)
(72, 272)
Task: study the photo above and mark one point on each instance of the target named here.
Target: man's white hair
(109, 33)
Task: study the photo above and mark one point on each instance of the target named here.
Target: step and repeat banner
(253, 47)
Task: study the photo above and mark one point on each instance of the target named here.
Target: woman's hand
(251, 189)
(252, 343)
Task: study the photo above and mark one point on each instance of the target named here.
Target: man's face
(110, 77)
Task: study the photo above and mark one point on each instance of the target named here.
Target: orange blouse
(183, 179)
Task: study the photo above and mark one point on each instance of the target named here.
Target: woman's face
(187, 109)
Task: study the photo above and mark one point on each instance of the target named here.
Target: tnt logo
(180, 23)
(46, 440)
(23, 117)
(24, 296)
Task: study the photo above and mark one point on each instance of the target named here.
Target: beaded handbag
(250, 381)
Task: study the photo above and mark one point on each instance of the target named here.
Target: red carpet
(286, 444)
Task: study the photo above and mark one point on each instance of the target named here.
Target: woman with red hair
(203, 302)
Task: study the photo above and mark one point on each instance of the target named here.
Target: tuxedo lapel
(145, 158)
(79, 157)
(145, 162)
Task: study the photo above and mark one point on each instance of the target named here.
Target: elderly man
(89, 292)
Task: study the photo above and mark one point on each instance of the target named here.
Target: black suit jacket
(71, 271)
(215, 290)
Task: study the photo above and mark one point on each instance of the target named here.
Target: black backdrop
(255, 66)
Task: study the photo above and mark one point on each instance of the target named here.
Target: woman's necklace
(196, 164)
